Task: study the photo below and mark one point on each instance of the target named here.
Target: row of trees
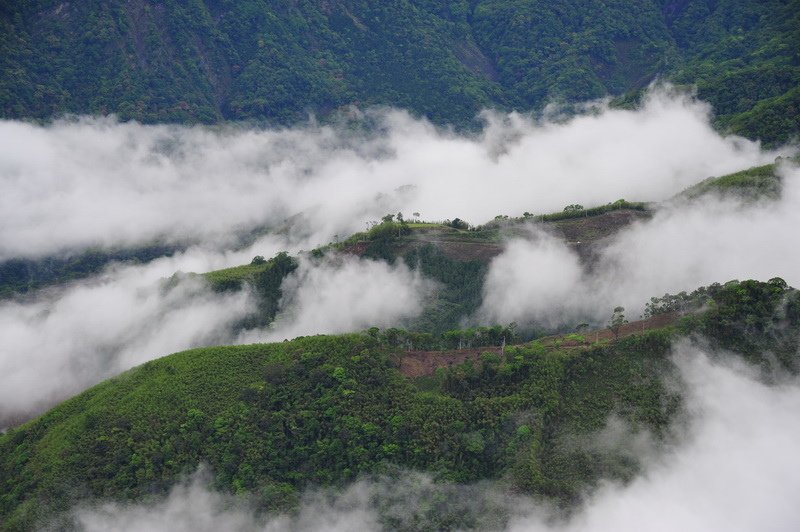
(490, 336)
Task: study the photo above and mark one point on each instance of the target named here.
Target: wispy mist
(342, 294)
(684, 246)
(67, 340)
(734, 469)
(96, 182)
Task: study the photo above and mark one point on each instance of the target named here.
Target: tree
(617, 321)
(458, 223)
(258, 259)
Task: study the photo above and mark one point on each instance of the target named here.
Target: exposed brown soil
(421, 363)
(582, 234)
(463, 250)
(593, 228)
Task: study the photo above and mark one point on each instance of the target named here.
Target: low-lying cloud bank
(684, 246)
(61, 343)
(345, 294)
(734, 469)
(96, 182)
(69, 339)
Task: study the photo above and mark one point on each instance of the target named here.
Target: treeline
(21, 276)
(471, 337)
(578, 211)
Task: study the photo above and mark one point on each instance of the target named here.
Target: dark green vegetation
(205, 61)
(747, 317)
(264, 277)
(272, 419)
(460, 291)
(20, 276)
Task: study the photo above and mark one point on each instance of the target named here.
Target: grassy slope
(232, 278)
(754, 183)
(270, 419)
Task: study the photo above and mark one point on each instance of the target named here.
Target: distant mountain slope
(210, 60)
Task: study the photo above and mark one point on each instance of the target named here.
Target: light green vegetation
(272, 419)
(761, 182)
(578, 211)
(236, 276)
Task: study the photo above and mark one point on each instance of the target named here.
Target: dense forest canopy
(272, 419)
(206, 61)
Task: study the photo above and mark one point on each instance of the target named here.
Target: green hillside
(421, 244)
(454, 254)
(272, 419)
(761, 182)
(212, 60)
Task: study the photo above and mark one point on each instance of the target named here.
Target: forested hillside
(324, 410)
(443, 59)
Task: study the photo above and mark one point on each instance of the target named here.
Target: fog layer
(63, 342)
(684, 246)
(96, 182)
(344, 294)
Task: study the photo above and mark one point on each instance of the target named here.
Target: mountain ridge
(215, 60)
(273, 418)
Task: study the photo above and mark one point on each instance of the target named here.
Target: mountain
(207, 61)
(453, 253)
(272, 419)
(479, 367)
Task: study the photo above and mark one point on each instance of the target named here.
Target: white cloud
(343, 294)
(539, 279)
(683, 247)
(98, 182)
(65, 341)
